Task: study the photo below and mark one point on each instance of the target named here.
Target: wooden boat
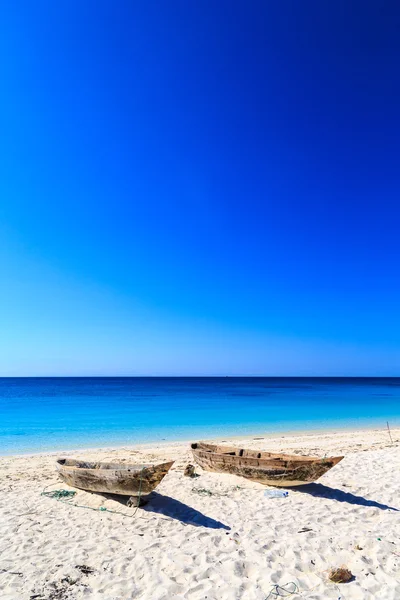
(283, 470)
(113, 478)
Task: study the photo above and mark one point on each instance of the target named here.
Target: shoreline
(222, 438)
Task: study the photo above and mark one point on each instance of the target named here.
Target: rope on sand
(61, 495)
(282, 591)
(276, 591)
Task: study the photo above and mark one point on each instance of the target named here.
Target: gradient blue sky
(199, 188)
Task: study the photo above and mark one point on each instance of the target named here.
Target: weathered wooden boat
(113, 478)
(282, 470)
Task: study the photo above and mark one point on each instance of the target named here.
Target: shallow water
(41, 414)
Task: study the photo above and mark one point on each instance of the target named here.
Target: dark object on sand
(283, 470)
(190, 471)
(112, 478)
(85, 569)
(340, 575)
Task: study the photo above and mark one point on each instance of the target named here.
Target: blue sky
(199, 188)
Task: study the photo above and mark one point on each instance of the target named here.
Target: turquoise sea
(40, 414)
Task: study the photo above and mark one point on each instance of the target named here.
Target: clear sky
(199, 187)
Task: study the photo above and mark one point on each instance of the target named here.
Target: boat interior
(82, 464)
(242, 452)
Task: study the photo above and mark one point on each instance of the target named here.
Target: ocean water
(41, 414)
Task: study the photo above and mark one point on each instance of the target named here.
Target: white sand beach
(228, 543)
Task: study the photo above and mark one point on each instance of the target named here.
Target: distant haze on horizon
(200, 189)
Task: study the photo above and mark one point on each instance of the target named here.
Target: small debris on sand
(85, 569)
(341, 575)
(190, 471)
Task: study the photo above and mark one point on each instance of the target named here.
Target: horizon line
(200, 376)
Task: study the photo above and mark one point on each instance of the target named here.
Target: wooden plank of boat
(113, 478)
(282, 470)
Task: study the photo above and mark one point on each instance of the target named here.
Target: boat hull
(112, 478)
(279, 470)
